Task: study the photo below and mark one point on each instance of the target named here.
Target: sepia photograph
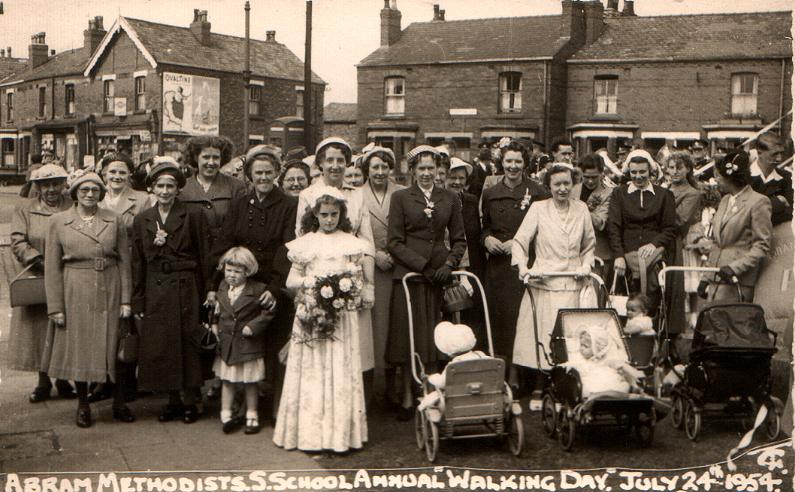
(540, 245)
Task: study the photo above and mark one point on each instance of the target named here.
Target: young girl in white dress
(322, 404)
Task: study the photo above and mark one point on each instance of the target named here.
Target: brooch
(160, 236)
(526, 199)
(429, 209)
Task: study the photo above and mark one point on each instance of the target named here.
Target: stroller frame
(475, 408)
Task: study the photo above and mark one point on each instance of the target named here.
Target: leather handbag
(208, 343)
(128, 342)
(640, 268)
(27, 290)
(456, 298)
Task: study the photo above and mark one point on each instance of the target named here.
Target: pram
(564, 407)
(476, 400)
(728, 372)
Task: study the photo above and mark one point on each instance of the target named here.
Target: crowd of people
(287, 269)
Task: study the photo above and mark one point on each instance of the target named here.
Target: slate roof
(70, 62)
(339, 113)
(175, 45)
(9, 66)
(472, 39)
(693, 37)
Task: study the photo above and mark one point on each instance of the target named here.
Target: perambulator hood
(733, 326)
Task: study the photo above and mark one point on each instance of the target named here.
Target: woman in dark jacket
(419, 218)
(170, 276)
(504, 206)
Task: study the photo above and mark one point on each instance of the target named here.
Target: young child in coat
(638, 320)
(240, 325)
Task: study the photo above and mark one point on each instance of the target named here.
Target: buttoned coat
(28, 334)
(215, 202)
(169, 284)
(87, 277)
(631, 226)
(417, 241)
(742, 234)
(233, 347)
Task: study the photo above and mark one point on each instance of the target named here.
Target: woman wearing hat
(210, 190)
(419, 218)
(378, 191)
(263, 221)
(28, 335)
(741, 230)
(170, 276)
(504, 207)
(87, 277)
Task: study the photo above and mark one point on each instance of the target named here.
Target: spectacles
(86, 191)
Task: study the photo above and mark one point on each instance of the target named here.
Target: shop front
(587, 138)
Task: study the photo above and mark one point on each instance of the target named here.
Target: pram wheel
(566, 429)
(677, 411)
(516, 435)
(692, 420)
(644, 430)
(549, 416)
(419, 428)
(431, 440)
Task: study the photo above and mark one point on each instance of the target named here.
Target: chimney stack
(93, 36)
(270, 36)
(37, 50)
(200, 27)
(629, 8)
(2, 53)
(572, 22)
(390, 23)
(8, 50)
(594, 20)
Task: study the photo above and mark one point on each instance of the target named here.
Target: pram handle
(686, 269)
(600, 283)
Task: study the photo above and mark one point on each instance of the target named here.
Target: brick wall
(345, 130)
(677, 96)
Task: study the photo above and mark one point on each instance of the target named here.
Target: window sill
(510, 116)
(395, 116)
(256, 117)
(606, 117)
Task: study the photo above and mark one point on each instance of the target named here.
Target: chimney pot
(270, 35)
(200, 27)
(390, 23)
(436, 11)
(441, 15)
(52, 52)
(38, 52)
(386, 4)
(8, 50)
(2, 53)
(629, 8)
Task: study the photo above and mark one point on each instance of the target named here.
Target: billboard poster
(190, 104)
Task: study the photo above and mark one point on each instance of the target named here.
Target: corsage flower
(525, 199)
(429, 209)
(327, 292)
(160, 236)
(730, 168)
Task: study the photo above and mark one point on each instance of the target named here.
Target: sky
(344, 31)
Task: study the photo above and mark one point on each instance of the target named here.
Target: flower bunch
(428, 209)
(323, 298)
(731, 167)
(160, 236)
(525, 199)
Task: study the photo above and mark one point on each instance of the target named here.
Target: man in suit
(766, 179)
(483, 167)
(596, 195)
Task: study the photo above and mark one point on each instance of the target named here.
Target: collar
(757, 171)
(426, 192)
(632, 188)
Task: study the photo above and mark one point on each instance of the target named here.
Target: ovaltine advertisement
(190, 104)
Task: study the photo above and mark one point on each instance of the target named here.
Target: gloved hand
(428, 273)
(702, 289)
(442, 274)
(726, 273)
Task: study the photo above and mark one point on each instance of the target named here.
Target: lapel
(244, 298)
(718, 219)
(417, 195)
(102, 217)
(739, 204)
(174, 221)
(272, 198)
(379, 211)
(223, 296)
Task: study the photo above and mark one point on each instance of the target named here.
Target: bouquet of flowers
(323, 298)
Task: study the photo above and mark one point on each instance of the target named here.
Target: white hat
(453, 339)
(442, 149)
(456, 163)
(333, 141)
(48, 171)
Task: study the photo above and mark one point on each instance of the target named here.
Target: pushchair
(728, 374)
(564, 406)
(476, 400)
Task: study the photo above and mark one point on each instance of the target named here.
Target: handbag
(618, 302)
(27, 290)
(640, 268)
(128, 343)
(456, 298)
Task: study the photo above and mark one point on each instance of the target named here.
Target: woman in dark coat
(263, 221)
(419, 218)
(504, 206)
(170, 276)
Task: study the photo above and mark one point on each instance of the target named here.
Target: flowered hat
(453, 339)
(736, 164)
(49, 171)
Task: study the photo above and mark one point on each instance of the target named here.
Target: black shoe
(103, 391)
(232, 425)
(65, 389)
(252, 426)
(213, 393)
(404, 414)
(123, 414)
(83, 417)
(191, 414)
(39, 394)
(171, 412)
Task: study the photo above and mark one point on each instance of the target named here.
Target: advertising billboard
(190, 104)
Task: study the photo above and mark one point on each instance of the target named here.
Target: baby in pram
(601, 363)
(457, 341)
(638, 320)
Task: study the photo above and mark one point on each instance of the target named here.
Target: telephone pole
(308, 123)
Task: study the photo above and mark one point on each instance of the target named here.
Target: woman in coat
(28, 336)
(561, 232)
(378, 192)
(741, 229)
(87, 278)
(419, 219)
(170, 275)
(504, 207)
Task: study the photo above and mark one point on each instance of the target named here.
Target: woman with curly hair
(322, 406)
(294, 177)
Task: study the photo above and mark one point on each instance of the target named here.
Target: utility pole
(308, 126)
(246, 80)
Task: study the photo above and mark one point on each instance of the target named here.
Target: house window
(745, 87)
(605, 95)
(69, 99)
(510, 92)
(108, 91)
(140, 93)
(10, 106)
(394, 95)
(42, 101)
(254, 96)
(299, 103)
